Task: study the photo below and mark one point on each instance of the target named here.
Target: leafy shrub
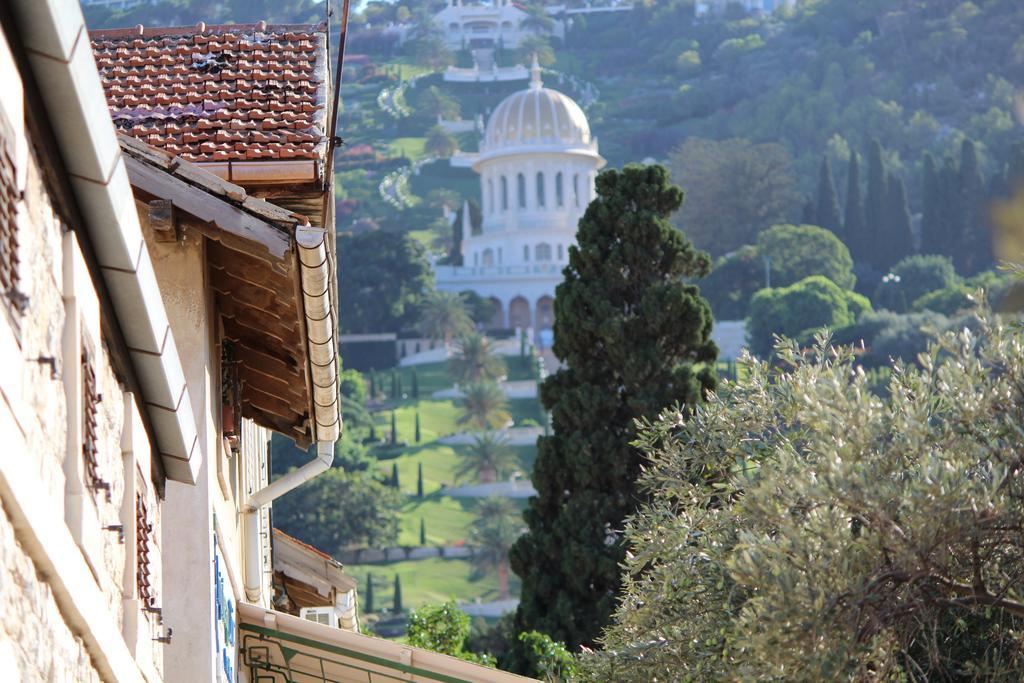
(793, 311)
(799, 251)
(915, 276)
(732, 282)
(443, 628)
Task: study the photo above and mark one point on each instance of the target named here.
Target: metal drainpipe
(316, 270)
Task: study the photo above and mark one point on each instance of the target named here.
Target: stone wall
(35, 643)
(40, 394)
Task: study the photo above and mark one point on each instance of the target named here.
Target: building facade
(537, 165)
(161, 316)
(704, 8)
(471, 25)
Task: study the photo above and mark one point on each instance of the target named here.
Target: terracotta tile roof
(219, 93)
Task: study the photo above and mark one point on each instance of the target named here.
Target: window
(559, 194)
(521, 187)
(490, 196)
(543, 252)
(504, 193)
(90, 407)
(540, 190)
(561, 253)
(576, 190)
(526, 253)
(9, 198)
(488, 258)
(499, 256)
(143, 538)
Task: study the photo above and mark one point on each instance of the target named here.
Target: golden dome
(537, 116)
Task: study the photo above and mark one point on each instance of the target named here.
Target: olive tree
(802, 528)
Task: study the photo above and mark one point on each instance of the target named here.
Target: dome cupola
(535, 120)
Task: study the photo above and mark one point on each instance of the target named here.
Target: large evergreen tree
(973, 241)
(854, 221)
(875, 206)
(898, 242)
(932, 239)
(827, 212)
(634, 337)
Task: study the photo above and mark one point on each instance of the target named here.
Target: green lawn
(440, 463)
(410, 148)
(428, 581)
(424, 237)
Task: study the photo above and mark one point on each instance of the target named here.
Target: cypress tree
(399, 393)
(973, 240)
(394, 429)
(417, 426)
(398, 594)
(854, 221)
(419, 480)
(394, 475)
(630, 331)
(394, 384)
(899, 234)
(415, 386)
(373, 432)
(808, 213)
(932, 241)
(368, 598)
(423, 530)
(875, 206)
(827, 211)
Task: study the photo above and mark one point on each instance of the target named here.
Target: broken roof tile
(219, 93)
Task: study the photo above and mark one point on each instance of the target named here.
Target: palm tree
(440, 142)
(489, 458)
(444, 316)
(539, 47)
(497, 525)
(484, 406)
(475, 360)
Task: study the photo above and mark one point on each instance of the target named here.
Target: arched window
(526, 253)
(559, 194)
(561, 252)
(543, 252)
(490, 196)
(488, 259)
(521, 187)
(504, 193)
(576, 190)
(499, 256)
(476, 258)
(540, 190)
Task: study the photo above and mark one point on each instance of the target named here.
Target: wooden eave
(253, 271)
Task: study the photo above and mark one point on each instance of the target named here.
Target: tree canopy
(799, 309)
(384, 276)
(634, 337)
(801, 528)
(799, 251)
(735, 189)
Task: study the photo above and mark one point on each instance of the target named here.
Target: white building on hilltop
(537, 165)
(468, 24)
(704, 8)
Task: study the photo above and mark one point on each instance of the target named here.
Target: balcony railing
(470, 272)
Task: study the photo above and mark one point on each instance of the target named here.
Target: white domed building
(537, 165)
